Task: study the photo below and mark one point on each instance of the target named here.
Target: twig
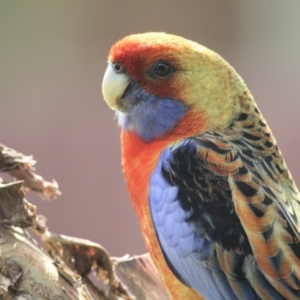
(21, 167)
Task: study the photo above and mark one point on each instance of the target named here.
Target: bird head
(154, 81)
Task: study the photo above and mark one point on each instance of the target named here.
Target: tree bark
(61, 269)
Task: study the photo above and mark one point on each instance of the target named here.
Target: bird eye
(118, 68)
(162, 70)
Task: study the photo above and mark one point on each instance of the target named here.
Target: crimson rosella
(217, 206)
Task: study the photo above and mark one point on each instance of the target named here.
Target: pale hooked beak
(113, 85)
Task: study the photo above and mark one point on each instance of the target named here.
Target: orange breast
(139, 161)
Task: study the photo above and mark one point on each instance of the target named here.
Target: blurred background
(52, 58)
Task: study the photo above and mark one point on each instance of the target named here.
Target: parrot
(218, 208)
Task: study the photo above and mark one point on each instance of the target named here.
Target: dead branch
(61, 270)
(21, 167)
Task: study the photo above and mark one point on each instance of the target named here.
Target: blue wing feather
(188, 252)
(187, 235)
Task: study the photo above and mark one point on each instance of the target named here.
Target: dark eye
(118, 68)
(162, 70)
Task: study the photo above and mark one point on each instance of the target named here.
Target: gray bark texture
(59, 267)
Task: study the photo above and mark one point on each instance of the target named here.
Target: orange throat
(139, 160)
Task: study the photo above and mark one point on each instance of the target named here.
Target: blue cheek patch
(148, 115)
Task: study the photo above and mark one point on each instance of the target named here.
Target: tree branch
(62, 269)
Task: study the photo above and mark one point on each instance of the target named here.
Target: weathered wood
(21, 167)
(141, 277)
(60, 270)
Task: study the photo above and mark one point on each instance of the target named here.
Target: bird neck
(139, 159)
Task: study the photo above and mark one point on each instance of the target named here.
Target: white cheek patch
(121, 118)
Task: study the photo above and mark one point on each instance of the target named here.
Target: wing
(224, 210)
